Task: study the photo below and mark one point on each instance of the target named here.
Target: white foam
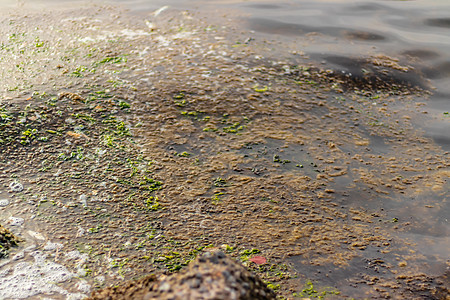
(131, 34)
(33, 278)
(76, 296)
(75, 255)
(52, 246)
(83, 286)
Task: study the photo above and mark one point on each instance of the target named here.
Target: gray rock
(212, 275)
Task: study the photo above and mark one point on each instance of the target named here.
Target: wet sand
(130, 145)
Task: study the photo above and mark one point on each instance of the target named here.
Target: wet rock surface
(212, 275)
(7, 240)
(148, 140)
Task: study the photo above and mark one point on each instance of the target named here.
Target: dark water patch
(439, 134)
(369, 263)
(440, 98)
(420, 219)
(438, 71)
(369, 7)
(367, 76)
(438, 22)
(273, 153)
(263, 6)
(351, 64)
(438, 128)
(183, 150)
(277, 27)
(374, 269)
(421, 53)
(378, 145)
(374, 74)
(363, 35)
(295, 29)
(348, 196)
(426, 216)
(442, 140)
(434, 248)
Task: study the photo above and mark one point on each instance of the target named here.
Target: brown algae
(140, 147)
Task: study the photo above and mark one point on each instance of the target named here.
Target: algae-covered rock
(211, 276)
(7, 240)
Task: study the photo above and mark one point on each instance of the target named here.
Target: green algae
(313, 292)
(139, 189)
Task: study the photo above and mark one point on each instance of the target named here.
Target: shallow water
(413, 31)
(341, 35)
(338, 33)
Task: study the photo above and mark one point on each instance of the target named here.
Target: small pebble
(4, 202)
(165, 287)
(36, 235)
(83, 200)
(18, 256)
(16, 186)
(13, 221)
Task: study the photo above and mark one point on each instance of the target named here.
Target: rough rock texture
(211, 276)
(7, 240)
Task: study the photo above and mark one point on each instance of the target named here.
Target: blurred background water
(336, 33)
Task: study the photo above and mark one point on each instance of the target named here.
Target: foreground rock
(211, 276)
(7, 240)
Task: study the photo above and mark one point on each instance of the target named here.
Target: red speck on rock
(259, 260)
